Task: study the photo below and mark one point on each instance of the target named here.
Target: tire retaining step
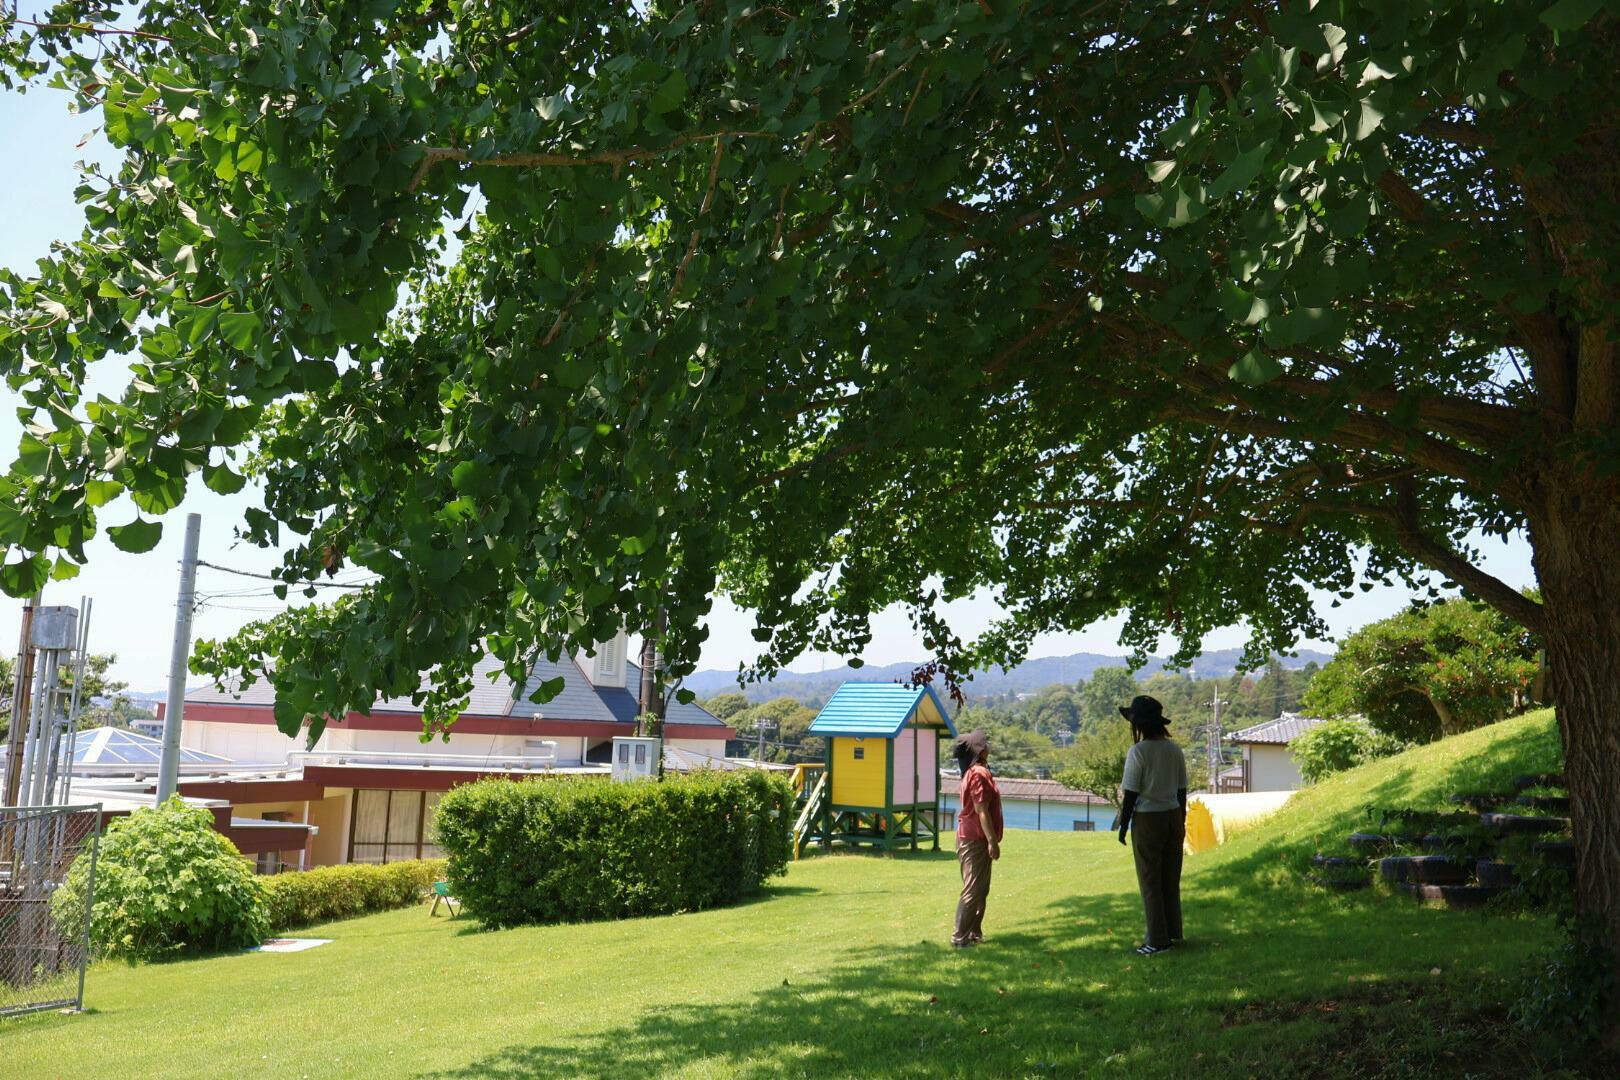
(1557, 803)
(1539, 780)
(1339, 861)
(1496, 875)
(1479, 800)
(1504, 824)
(1423, 869)
(1453, 896)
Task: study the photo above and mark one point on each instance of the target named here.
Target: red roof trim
(468, 724)
(253, 790)
(407, 778)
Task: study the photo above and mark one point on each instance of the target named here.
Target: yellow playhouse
(881, 786)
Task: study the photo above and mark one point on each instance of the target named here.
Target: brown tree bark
(1448, 719)
(1575, 534)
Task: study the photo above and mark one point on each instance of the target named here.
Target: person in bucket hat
(978, 835)
(1155, 814)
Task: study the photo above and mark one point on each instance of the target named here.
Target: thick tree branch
(1351, 430)
(1440, 555)
(432, 155)
(1406, 527)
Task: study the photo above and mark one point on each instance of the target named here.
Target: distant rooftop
(1279, 732)
(493, 694)
(106, 751)
(1015, 788)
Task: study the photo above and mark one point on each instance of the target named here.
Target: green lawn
(844, 970)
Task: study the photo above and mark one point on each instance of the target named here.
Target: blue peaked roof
(881, 709)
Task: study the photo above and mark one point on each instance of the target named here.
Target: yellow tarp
(1212, 818)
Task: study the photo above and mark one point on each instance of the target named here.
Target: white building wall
(1272, 768)
(711, 747)
(244, 744)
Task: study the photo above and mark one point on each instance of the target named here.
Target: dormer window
(610, 661)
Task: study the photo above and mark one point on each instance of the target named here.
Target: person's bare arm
(984, 823)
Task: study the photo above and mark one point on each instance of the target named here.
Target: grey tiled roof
(1279, 732)
(578, 699)
(1017, 788)
(626, 706)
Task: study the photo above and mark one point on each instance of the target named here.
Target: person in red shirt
(978, 835)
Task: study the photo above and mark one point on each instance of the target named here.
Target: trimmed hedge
(301, 897)
(567, 850)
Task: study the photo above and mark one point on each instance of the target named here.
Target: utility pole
(21, 696)
(1213, 746)
(762, 726)
(169, 767)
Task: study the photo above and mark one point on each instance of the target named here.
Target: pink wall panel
(928, 755)
(904, 748)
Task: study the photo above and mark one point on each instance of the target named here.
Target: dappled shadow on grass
(765, 895)
(1282, 989)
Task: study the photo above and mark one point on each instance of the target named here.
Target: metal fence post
(89, 906)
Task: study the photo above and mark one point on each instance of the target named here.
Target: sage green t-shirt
(1155, 769)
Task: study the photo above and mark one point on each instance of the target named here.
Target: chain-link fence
(47, 887)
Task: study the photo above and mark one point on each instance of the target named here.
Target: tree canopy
(560, 322)
(553, 323)
(1430, 671)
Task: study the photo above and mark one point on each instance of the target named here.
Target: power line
(279, 581)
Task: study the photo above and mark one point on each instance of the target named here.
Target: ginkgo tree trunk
(1176, 309)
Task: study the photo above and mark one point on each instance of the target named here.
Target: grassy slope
(844, 970)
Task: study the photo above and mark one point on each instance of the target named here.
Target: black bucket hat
(971, 745)
(1144, 712)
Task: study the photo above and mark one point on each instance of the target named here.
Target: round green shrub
(1336, 745)
(166, 883)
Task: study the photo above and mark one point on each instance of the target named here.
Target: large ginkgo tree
(559, 316)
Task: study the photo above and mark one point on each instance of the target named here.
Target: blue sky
(134, 595)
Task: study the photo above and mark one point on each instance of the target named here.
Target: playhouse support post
(937, 797)
(889, 793)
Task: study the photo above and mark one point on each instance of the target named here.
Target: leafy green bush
(1563, 996)
(301, 897)
(166, 883)
(538, 851)
(1336, 745)
(1430, 671)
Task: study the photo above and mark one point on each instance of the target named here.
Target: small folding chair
(441, 894)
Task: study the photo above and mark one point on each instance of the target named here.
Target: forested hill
(1028, 677)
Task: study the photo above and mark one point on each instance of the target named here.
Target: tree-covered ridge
(1057, 729)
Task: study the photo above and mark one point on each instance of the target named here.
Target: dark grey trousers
(1156, 838)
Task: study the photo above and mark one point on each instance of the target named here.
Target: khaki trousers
(1156, 839)
(974, 855)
